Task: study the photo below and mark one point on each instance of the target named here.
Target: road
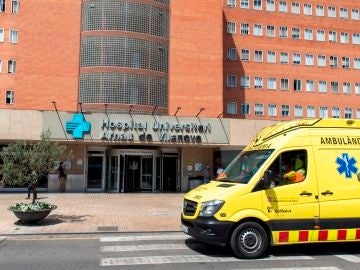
(161, 251)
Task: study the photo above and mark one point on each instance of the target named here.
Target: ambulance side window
(288, 168)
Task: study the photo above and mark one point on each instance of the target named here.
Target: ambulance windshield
(244, 166)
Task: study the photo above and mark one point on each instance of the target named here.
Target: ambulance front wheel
(249, 240)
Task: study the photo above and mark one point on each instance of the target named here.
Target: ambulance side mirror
(358, 176)
(266, 179)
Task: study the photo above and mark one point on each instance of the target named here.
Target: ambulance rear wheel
(249, 240)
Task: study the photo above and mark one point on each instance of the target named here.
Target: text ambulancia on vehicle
(296, 182)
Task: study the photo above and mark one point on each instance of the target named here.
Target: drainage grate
(108, 228)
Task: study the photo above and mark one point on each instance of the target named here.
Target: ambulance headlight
(210, 208)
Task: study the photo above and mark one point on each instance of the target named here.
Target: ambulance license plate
(184, 228)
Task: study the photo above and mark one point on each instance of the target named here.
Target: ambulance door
(339, 191)
(291, 206)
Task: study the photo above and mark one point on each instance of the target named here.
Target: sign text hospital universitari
(190, 132)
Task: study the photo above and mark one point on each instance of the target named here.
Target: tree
(26, 162)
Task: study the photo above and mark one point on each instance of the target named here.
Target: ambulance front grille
(189, 208)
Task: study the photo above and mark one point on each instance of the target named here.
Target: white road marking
(350, 258)
(143, 247)
(186, 259)
(296, 268)
(145, 237)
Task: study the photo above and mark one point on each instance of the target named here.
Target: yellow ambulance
(296, 182)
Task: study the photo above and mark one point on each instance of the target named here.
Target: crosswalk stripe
(297, 268)
(145, 237)
(350, 258)
(185, 259)
(143, 247)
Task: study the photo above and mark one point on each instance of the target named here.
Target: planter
(30, 216)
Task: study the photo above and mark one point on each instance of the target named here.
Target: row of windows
(11, 66)
(295, 8)
(298, 110)
(297, 58)
(296, 84)
(294, 33)
(15, 5)
(13, 35)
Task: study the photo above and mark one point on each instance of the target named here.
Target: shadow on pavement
(56, 219)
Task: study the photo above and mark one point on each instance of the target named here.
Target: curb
(2, 239)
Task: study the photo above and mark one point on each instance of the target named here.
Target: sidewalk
(97, 212)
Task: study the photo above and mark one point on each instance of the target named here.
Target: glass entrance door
(169, 173)
(146, 173)
(113, 181)
(132, 173)
(95, 172)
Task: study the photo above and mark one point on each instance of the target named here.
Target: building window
(270, 5)
(296, 58)
(323, 112)
(245, 55)
(231, 81)
(322, 86)
(231, 53)
(320, 35)
(355, 15)
(270, 31)
(321, 61)
(345, 61)
(244, 3)
(259, 109)
(231, 3)
(356, 38)
(332, 36)
(283, 32)
(357, 88)
(271, 57)
(347, 88)
(357, 113)
(258, 56)
(284, 58)
(283, 7)
(331, 12)
(232, 108)
(257, 30)
(295, 33)
(11, 66)
(344, 13)
(258, 82)
(285, 110)
(297, 85)
(244, 29)
(309, 60)
(258, 4)
(231, 27)
(272, 109)
(2, 5)
(307, 9)
(333, 61)
(335, 112)
(334, 86)
(271, 83)
(245, 108)
(1, 35)
(13, 37)
(320, 11)
(15, 6)
(348, 113)
(0, 65)
(245, 82)
(298, 111)
(310, 111)
(357, 63)
(284, 84)
(310, 86)
(9, 97)
(308, 34)
(344, 37)
(295, 8)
